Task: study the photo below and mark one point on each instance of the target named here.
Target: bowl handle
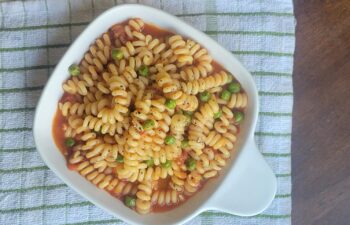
(249, 187)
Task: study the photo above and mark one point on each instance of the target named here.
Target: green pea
(218, 114)
(204, 96)
(190, 164)
(69, 142)
(170, 103)
(239, 116)
(184, 144)
(117, 54)
(120, 159)
(169, 140)
(74, 70)
(234, 87)
(148, 124)
(166, 165)
(143, 71)
(130, 201)
(149, 162)
(225, 95)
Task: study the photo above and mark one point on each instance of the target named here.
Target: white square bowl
(245, 187)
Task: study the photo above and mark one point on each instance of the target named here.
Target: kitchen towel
(35, 34)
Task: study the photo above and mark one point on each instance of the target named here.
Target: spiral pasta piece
(171, 90)
(192, 183)
(118, 67)
(192, 73)
(128, 50)
(178, 46)
(75, 86)
(143, 201)
(155, 45)
(195, 86)
(178, 179)
(120, 83)
(193, 47)
(145, 55)
(99, 52)
(177, 127)
(74, 126)
(103, 150)
(76, 108)
(217, 141)
(203, 66)
(131, 168)
(101, 180)
(238, 100)
(210, 162)
(166, 197)
(96, 124)
(121, 97)
(68, 131)
(88, 72)
(218, 162)
(70, 108)
(76, 157)
(123, 188)
(201, 124)
(136, 24)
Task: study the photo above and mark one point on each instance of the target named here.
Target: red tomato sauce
(156, 31)
(57, 130)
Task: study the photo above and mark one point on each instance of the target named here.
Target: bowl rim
(211, 202)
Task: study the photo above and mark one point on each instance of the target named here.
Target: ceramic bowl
(245, 187)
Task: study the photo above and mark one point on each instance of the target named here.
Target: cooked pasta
(203, 84)
(167, 197)
(148, 116)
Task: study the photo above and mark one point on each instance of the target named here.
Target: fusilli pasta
(148, 117)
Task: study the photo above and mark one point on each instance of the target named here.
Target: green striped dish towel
(35, 34)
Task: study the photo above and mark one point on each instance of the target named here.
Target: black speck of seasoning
(131, 107)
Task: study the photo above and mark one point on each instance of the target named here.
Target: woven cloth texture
(35, 34)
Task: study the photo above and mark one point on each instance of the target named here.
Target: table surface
(321, 121)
